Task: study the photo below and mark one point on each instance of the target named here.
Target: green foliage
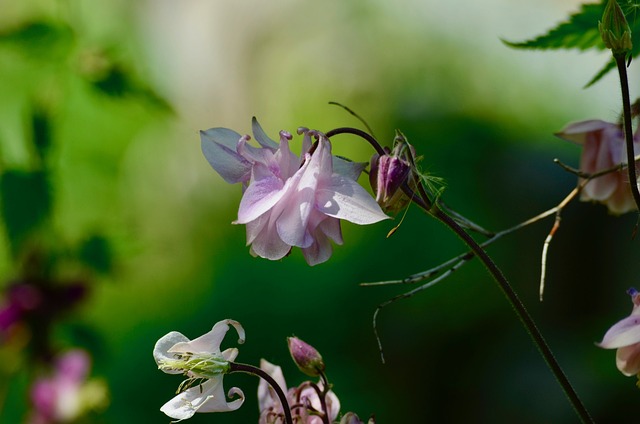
(26, 203)
(581, 32)
(41, 131)
(96, 253)
(39, 39)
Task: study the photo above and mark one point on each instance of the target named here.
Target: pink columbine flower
(603, 147)
(625, 336)
(303, 400)
(290, 201)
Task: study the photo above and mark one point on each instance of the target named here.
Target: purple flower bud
(388, 173)
(306, 357)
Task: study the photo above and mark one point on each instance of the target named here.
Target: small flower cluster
(204, 365)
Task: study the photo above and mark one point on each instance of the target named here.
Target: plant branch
(626, 121)
(250, 369)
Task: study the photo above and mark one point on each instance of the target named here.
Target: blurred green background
(126, 86)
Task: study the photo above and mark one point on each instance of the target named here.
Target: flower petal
(347, 200)
(219, 147)
(624, 333)
(161, 349)
(628, 359)
(206, 397)
(266, 395)
(261, 136)
(577, 131)
(262, 194)
(209, 342)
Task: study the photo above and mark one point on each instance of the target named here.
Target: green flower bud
(614, 29)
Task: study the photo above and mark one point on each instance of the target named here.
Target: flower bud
(388, 173)
(614, 29)
(306, 357)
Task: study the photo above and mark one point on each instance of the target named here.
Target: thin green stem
(520, 310)
(250, 369)
(628, 130)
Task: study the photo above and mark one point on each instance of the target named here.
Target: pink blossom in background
(290, 201)
(66, 395)
(303, 400)
(625, 336)
(603, 147)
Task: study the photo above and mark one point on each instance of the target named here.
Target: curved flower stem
(434, 210)
(628, 130)
(250, 369)
(520, 310)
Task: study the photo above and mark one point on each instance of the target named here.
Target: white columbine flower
(205, 365)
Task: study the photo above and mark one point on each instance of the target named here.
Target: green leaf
(39, 40)
(41, 131)
(118, 82)
(580, 32)
(95, 252)
(26, 203)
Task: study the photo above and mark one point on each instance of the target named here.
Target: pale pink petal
(263, 193)
(331, 228)
(577, 131)
(267, 397)
(267, 244)
(319, 251)
(219, 147)
(628, 359)
(254, 154)
(624, 333)
(345, 199)
(348, 169)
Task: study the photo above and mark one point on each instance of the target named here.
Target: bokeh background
(126, 86)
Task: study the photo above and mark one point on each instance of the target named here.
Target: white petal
(162, 347)
(209, 342)
(347, 200)
(206, 397)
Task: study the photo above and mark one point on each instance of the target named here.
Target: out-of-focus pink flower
(625, 336)
(66, 395)
(303, 400)
(603, 147)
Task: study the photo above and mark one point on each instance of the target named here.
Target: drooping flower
(204, 365)
(290, 201)
(625, 336)
(603, 148)
(66, 395)
(304, 400)
(351, 418)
